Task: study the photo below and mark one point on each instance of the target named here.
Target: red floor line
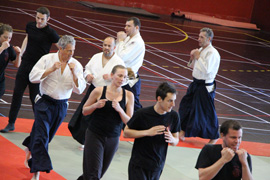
(9, 77)
(238, 115)
(254, 148)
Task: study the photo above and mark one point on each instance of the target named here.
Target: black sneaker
(9, 127)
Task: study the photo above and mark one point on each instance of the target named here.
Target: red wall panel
(238, 10)
(261, 13)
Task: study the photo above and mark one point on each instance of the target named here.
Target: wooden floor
(243, 90)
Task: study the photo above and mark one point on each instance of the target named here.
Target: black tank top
(106, 121)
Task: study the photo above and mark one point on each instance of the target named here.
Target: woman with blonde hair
(7, 53)
(110, 106)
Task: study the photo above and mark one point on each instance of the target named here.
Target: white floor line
(184, 77)
(71, 28)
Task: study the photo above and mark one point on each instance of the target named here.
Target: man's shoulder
(52, 55)
(73, 60)
(50, 30)
(31, 25)
(212, 48)
(139, 38)
(173, 112)
(212, 151)
(212, 147)
(116, 57)
(145, 110)
(97, 55)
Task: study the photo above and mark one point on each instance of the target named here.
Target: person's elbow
(126, 133)
(202, 175)
(34, 79)
(16, 63)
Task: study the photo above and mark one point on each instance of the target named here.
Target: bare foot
(212, 141)
(182, 135)
(81, 148)
(35, 176)
(27, 157)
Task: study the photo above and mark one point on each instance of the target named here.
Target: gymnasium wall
(250, 11)
(261, 13)
(239, 10)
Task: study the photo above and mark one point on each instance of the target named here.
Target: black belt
(55, 101)
(201, 81)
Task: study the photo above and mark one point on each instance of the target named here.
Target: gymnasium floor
(243, 90)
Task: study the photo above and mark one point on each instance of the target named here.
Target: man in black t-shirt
(38, 41)
(225, 161)
(153, 128)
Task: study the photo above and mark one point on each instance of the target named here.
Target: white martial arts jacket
(56, 85)
(132, 52)
(206, 67)
(94, 67)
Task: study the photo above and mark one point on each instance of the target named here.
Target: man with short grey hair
(208, 32)
(197, 110)
(59, 74)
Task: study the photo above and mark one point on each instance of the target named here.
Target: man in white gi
(59, 74)
(197, 110)
(99, 68)
(97, 72)
(131, 48)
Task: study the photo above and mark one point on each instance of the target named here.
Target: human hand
(121, 36)
(168, 136)
(156, 130)
(116, 105)
(89, 78)
(56, 66)
(191, 57)
(106, 76)
(101, 103)
(131, 74)
(196, 54)
(242, 154)
(17, 50)
(227, 154)
(193, 51)
(5, 45)
(71, 67)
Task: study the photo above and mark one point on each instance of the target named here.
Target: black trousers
(139, 173)
(79, 123)
(21, 82)
(136, 90)
(49, 114)
(2, 87)
(98, 154)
